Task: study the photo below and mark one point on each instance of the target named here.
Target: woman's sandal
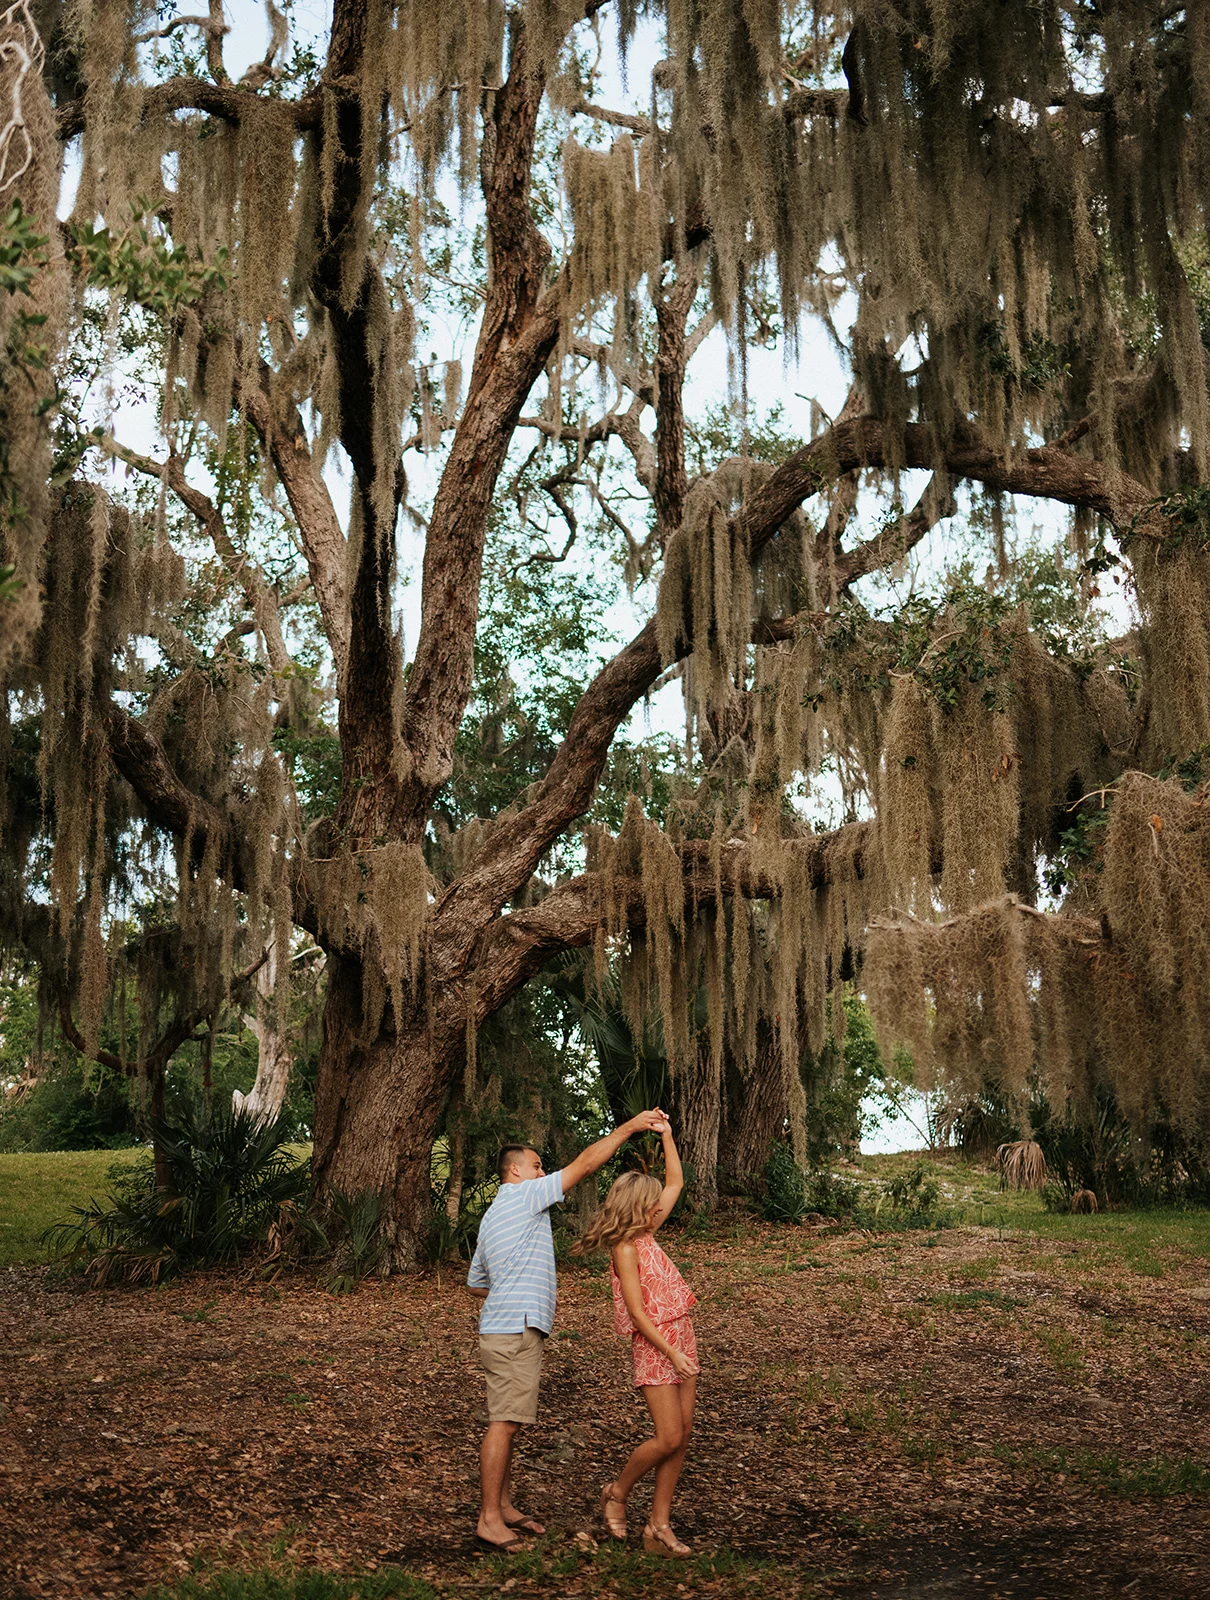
(659, 1540)
(615, 1524)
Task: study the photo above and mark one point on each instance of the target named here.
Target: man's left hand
(648, 1122)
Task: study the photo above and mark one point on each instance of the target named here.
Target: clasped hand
(655, 1121)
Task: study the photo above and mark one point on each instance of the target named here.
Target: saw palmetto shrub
(229, 1180)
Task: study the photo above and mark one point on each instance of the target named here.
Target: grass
(1064, 1353)
(1156, 1478)
(390, 1584)
(607, 1572)
(970, 1195)
(39, 1189)
(967, 1299)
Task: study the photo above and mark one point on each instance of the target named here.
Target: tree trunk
(754, 1111)
(453, 1197)
(377, 1102)
(695, 1106)
(155, 1104)
(274, 1055)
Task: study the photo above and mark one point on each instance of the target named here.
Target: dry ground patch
(974, 1412)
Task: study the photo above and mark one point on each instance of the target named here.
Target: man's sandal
(524, 1523)
(659, 1540)
(615, 1524)
(498, 1546)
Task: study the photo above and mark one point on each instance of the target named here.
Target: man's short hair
(505, 1159)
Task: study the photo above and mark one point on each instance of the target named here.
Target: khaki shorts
(513, 1363)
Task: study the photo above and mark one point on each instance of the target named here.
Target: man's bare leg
(495, 1459)
(509, 1511)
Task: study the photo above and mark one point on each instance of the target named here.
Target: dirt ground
(961, 1414)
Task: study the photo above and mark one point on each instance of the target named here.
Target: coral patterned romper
(667, 1300)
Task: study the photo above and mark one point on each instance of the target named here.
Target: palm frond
(1022, 1165)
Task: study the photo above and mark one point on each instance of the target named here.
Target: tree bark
(274, 1056)
(754, 1110)
(377, 1102)
(695, 1105)
(453, 1196)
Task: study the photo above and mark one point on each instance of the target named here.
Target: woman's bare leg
(667, 1473)
(665, 1406)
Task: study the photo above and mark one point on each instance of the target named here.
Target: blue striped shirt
(515, 1257)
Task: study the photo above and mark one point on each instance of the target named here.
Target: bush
(230, 1181)
(913, 1197)
(785, 1196)
(845, 1085)
(791, 1194)
(1055, 1197)
(63, 1112)
(361, 1247)
(831, 1196)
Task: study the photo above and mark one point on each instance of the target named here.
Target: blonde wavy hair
(625, 1214)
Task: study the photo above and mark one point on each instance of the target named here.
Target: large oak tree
(997, 212)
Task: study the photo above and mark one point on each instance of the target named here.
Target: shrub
(1055, 1197)
(785, 1196)
(791, 1194)
(230, 1180)
(1022, 1165)
(360, 1247)
(912, 1196)
(829, 1195)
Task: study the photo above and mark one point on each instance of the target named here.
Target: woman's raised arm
(674, 1177)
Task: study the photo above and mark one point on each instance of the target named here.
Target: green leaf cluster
(142, 265)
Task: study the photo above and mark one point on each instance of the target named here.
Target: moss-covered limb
(229, 102)
(516, 844)
(208, 833)
(153, 1062)
(259, 596)
(518, 333)
(277, 421)
(170, 804)
(518, 945)
(891, 543)
(624, 425)
(672, 483)
(1046, 472)
(1072, 1004)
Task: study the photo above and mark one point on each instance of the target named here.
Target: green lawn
(37, 1190)
(970, 1194)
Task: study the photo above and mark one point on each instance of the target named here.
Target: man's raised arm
(591, 1160)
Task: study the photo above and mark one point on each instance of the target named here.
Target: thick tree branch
(515, 846)
(671, 481)
(519, 329)
(169, 803)
(197, 823)
(616, 119)
(227, 101)
(892, 543)
(348, 284)
(181, 1030)
(280, 428)
(520, 943)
